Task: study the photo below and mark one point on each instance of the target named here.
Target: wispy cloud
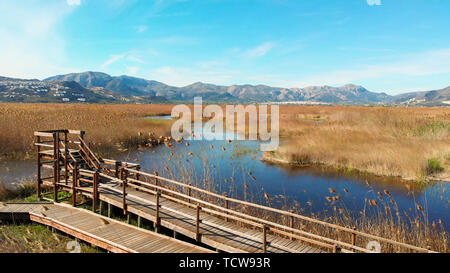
(260, 50)
(112, 59)
(73, 2)
(435, 62)
(373, 2)
(129, 56)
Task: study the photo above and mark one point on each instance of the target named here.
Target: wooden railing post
(264, 227)
(226, 206)
(55, 167)
(156, 179)
(117, 164)
(197, 224)
(66, 154)
(74, 183)
(158, 219)
(124, 178)
(39, 181)
(189, 192)
(138, 168)
(291, 223)
(95, 192)
(354, 237)
(336, 249)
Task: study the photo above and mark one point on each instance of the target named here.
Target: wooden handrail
(305, 218)
(229, 215)
(89, 152)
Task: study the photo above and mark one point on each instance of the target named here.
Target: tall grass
(108, 127)
(21, 191)
(393, 141)
(380, 215)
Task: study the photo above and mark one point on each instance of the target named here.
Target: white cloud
(112, 59)
(419, 64)
(73, 2)
(374, 2)
(135, 59)
(32, 48)
(141, 28)
(260, 50)
(126, 57)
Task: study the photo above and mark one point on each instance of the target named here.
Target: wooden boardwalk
(214, 231)
(98, 230)
(218, 221)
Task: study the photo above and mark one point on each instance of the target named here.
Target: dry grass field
(108, 127)
(409, 142)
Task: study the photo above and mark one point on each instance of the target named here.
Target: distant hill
(97, 87)
(439, 97)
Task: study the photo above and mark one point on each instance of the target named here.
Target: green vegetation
(434, 166)
(35, 238)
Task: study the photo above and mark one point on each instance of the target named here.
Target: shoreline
(352, 171)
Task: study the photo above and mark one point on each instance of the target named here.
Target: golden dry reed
(396, 141)
(108, 127)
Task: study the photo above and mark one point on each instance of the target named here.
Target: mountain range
(97, 87)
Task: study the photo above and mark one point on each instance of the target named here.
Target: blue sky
(388, 46)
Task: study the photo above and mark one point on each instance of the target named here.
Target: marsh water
(235, 169)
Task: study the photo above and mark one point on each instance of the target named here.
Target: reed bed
(380, 215)
(109, 127)
(413, 143)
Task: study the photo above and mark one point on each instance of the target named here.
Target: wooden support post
(139, 221)
(354, 237)
(128, 218)
(174, 234)
(39, 181)
(197, 224)
(158, 219)
(102, 207)
(95, 192)
(124, 178)
(74, 183)
(110, 214)
(264, 227)
(66, 154)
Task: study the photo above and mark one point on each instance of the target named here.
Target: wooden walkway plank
(115, 236)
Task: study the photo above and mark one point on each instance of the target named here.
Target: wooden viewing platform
(219, 222)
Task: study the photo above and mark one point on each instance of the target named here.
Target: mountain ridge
(102, 87)
(347, 94)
